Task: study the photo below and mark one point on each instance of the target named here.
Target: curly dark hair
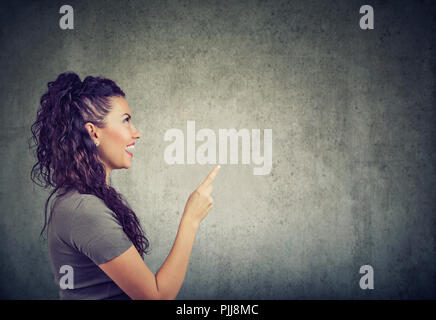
(67, 156)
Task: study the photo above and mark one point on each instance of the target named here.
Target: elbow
(156, 295)
(162, 296)
(147, 296)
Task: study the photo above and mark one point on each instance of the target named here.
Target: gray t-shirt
(83, 233)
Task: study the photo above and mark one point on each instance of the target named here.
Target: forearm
(170, 276)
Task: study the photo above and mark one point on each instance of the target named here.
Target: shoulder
(94, 229)
(92, 213)
(73, 211)
(76, 200)
(88, 202)
(80, 205)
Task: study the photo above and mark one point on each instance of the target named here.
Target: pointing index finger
(211, 176)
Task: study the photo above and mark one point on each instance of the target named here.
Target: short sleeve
(96, 232)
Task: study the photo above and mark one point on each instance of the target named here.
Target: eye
(127, 119)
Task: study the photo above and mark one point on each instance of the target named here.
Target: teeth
(130, 148)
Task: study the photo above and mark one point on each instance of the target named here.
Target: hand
(200, 202)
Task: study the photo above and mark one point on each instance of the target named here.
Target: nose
(137, 134)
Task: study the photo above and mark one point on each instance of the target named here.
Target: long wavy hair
(68, 157)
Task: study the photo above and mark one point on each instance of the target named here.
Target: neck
(108, 173)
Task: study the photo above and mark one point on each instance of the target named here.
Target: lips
(130, 147)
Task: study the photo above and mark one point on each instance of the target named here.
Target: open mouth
(130, 147)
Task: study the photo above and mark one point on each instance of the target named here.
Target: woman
(96, 243)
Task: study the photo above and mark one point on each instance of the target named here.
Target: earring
(96, 144)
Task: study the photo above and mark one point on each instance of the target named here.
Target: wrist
(189, 222)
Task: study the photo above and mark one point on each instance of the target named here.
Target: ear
(93, 131)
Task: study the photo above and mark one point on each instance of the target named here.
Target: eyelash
(127, 119)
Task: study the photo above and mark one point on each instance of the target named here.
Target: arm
(170, 276)
(133, 276)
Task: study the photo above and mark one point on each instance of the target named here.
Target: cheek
(118, 137)
(117, 141)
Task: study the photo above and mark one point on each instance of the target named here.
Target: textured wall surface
(352, 114)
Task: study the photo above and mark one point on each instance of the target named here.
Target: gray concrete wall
(352, 114)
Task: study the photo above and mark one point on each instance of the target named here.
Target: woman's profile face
(118, 133)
